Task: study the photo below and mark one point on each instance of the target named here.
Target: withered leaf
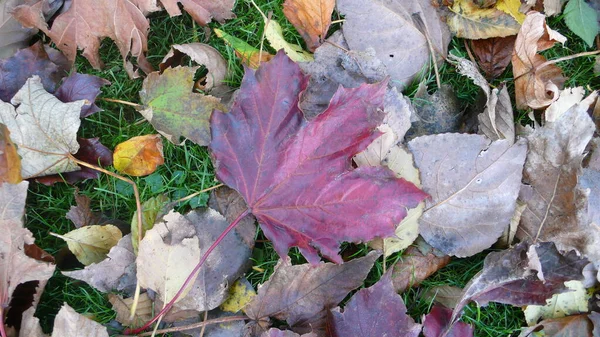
(301, 294)
(203, 11)
(573, 301)
(377, 311)
(494, 54)
(81, 215)
(203, 55)
(10, 162)
(284, 333)
(439, 112)
(415, 266)
(311, 18)
(447, 296)
(123, 306)
(570, 326)
(152, 210)
(69, 323)
(473, 183)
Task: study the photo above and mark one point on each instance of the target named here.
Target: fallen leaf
(139, 156)
(172, 107)
(231, 204)
(582, 20)
(566, 99)
(473, 183)
(447, 296)
(493, 54)
(554, 203)
(415, 266)
(202, 11)
(571, 326)
(508, 237)
(595, 318)
(10, 162)
(31, 325)
(574, 301)
(302, 294)
(90, 244)
(535, 86)
(522, 275)
(225, 329)
(152, 210)
(262, 162)
(69, 323)
(240, 294)
(144, 310)
(15, 266)
(436, 113)
(311, 19)
(27, 62)
(403, 49)
(333, 66)
(250, 56)
(437, 324)
(81, 87)
(284, 333)
(202, 54)
(81, 215)
(553, 7)
(43, 129)
(377, 311)
(12, 35)
(87, 22)
(274, 34)
(469, 21)
(115, 273)
(511, 7)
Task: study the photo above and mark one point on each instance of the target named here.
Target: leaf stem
(196, 193)
(113, 100)
(191, 276)
(566, 58)
(198, 325)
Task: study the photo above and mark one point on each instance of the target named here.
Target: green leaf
(582, 20)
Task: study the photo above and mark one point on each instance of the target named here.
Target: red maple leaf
(296, 175)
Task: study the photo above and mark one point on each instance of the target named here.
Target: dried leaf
(31, 325)
(81, 87)
(250, 56)
(43, 128)
(535, 86)
(91, 244)
(566, 99)
(377, 311)
(229, 329)
(81, 215)
(403, 49)
(115, 273)
(582, 20)
(10, 162)
(471, 22)
(437, 113)
(311, 19)
(263, 163)
(447, 296)
(494, 54)
(553, 7)
(284, 333)
(301, 294)
(437, 323)
(69, 323)
(144, 310)
(473, 183)
(574, 301)
(414, 267)
(571, 326)
(231, 204)
(202, 11)
(139, 156)
(12, 35)
(202, 54)
(172, 107)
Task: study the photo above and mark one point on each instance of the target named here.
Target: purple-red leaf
(377, 311)
(437, 322)
(296, 175)
(81, 86)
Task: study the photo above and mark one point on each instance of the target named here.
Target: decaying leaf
(81, 87)
(522, 275)
(91, 244)
(231, 204)
(284, 333)
(437, 113)
(536, 86)
(69, 323)
(43, 128)
(566, 99)
(123, 306)
(203, 11)
(152, 210)
(473, 183)
(139, 156)
(115, 273)
(225, 329)
(447, 296)
(202, 54)
(494, 54)
(403, 49)
(30, 326)
(511, 7)
(377, 311)
(573, 301)
(12, 35)
(472, 22)
(437, 324)
(273, 145)
(172, 107)
(417, 264)
(311, 18)
(301, 294)
(87, 22)
(553, 7)
(250, 56)
(81, 215)
(576, 325)
(10, 162)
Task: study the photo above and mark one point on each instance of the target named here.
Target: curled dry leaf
(90, 244)
(536, 84)
(403, 49)
(416, 266)
(493, 54)
(311, 18)
(43, 128)
(301, 294)
(202, 11)
(472, 22)
(437, 324)
(377, 311)
(250, 56)
(473, 183)
(10, 162)
(202, 54)
(174, 109)
(139, 156)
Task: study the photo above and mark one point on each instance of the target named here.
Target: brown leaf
(31, 325)
(535, 86)
(448, 296)
(301, 294)
(494, 54)
(143, 313)
(473, 183)
(311, 18)
(202, 54)
(10, 162)
(414, 267)
(139, 156)
(230, 204)
(202, 11)
(570, 326)
(81, 215)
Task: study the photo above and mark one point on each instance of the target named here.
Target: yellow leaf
(10, 162)
(560, 305)
(90, 244)
(139, 156)
(471, 22)
(240, 294)
(511, 7)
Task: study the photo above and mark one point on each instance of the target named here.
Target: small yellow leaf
(560, 305)
(90, 244)
(274, 35)
(511, 7)
(240, 294)
(471, 22)
(139, 156)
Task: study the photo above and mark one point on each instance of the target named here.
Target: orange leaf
(10, 162)
(311, 18)
(139, 156)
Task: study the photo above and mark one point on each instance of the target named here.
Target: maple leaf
(81, 86)
(377, 311)
(295, 175)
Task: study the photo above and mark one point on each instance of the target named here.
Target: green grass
(188, 168)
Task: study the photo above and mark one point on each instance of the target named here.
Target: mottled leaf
(139, 156)
(311, 18)
(447, 296)
(437, 113)
(284, 333)
(81, 215)
(274, 34)
(122, 307)
(202, 11)
(573, 301)
(571, 326)
(471, 22)
(240, 294)
(250, 56)
(152, 210)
